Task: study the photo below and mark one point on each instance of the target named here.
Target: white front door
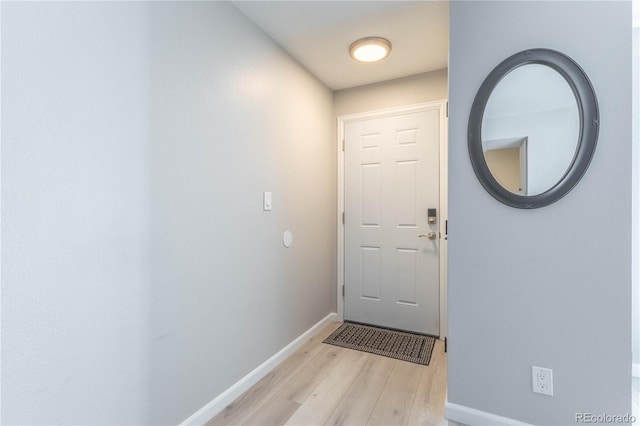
(391, 182)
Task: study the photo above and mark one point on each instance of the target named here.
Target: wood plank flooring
(322, 384)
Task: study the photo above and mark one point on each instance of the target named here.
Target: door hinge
(446, 114)
(445, 344)
(343, 144)
(342, 290)
(343, 218)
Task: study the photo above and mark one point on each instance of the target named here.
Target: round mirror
(533, 128)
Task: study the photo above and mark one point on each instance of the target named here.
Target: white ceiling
(319, 33)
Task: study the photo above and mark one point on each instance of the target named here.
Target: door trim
(440, 105)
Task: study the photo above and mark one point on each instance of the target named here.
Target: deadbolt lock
(431, 216)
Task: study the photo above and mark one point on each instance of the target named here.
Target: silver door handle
(430, 235)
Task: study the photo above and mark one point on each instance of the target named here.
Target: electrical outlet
(542, 380)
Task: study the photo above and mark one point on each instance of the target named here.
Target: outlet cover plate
(542, 379)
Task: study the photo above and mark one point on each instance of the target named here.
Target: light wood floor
(323, 384)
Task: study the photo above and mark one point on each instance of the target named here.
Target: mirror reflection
(530, 129)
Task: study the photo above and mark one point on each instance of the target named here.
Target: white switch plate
(266, 201)
(542, 380)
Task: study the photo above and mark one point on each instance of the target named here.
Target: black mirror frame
(587, 139)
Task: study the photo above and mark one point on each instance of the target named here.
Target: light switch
(266, 201)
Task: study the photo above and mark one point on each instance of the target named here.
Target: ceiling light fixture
(370, 49)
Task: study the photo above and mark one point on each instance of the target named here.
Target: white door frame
(441, 105)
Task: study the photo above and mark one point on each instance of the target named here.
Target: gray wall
(636, 199)
(425, 87)
(140, 276)
(75, 213)
(233, 116)
(549, 287)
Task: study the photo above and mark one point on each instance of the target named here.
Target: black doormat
(411, 347)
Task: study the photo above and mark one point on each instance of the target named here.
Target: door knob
(430, 235)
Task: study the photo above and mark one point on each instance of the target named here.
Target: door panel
(371, 197)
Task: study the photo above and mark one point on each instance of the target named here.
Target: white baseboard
(205, 414)
(473, 417)
(635, 370)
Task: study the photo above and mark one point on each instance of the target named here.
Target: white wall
(141, 277)
(233, 116)
(548, 287)
(75, 213)
(425, 87)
